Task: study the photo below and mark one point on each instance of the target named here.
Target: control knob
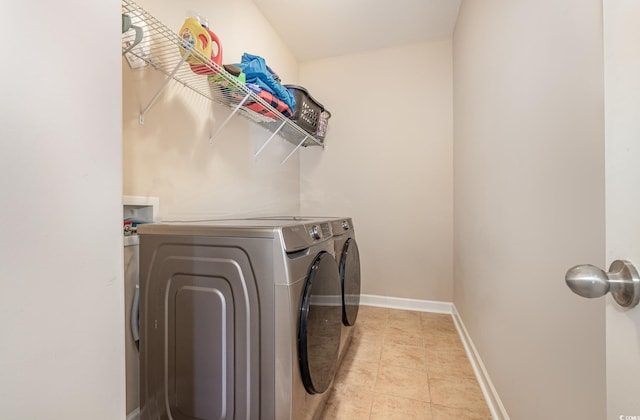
(315, 232)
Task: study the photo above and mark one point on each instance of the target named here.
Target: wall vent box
(140, 208)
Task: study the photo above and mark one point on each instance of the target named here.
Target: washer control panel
(315, 232)
(300, 236)
(319, 231)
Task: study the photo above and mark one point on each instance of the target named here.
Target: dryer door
(320, 324)
(350, 279)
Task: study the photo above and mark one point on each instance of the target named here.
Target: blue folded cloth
(257, 72)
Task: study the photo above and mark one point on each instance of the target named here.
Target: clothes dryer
(131, 248)
(348, 259)
(238, 319)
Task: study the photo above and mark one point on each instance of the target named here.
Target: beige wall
(622, 122)
(388, 164)
(61, 280)
(170, 156)
(529, 199)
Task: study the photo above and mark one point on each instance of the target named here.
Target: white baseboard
(407, 304)
(498, 412)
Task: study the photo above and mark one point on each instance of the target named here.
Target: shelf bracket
(294, 150)
(226, 121)
(163, 86)
(269, 139)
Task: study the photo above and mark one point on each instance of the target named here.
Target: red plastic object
(217, 58)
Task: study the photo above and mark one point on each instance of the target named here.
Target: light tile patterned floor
(405, 365)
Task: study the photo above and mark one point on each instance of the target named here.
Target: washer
(239, 319)
(131, 248)
(348, 259)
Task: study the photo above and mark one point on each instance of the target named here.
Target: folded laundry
(274, 102)
(256, 70)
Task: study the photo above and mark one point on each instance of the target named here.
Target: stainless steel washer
(131, 290)
(239, 319)
(348, 259)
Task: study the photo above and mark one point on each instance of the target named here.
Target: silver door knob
(622, 281)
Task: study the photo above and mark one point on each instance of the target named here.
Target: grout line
(375, 382)
(454, 333)
(430, 394)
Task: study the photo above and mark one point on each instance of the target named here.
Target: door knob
(622, 281)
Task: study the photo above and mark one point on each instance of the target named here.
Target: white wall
(529, 199)
(388, 163)
(622, 123)
(170, 156)
(61, 281)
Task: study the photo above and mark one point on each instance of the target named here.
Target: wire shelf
(162, 49)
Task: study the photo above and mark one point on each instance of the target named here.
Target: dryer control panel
(320, 231)
(305, 235)
(315, 232)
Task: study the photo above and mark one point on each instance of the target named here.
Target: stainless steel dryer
(238, 319)
(348, 259)
(131, 290)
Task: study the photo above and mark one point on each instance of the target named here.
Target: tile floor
(405, 365)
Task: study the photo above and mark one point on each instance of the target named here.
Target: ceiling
(318, 29)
